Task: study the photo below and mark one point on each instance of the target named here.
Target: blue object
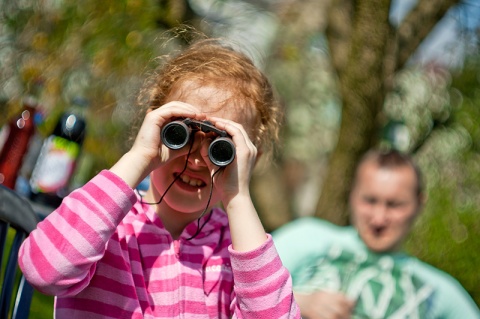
(144, 185)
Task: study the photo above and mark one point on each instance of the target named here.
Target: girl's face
(190, 192)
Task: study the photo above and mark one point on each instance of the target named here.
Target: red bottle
(20, 130)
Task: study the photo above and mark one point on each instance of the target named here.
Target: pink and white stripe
(105, 255)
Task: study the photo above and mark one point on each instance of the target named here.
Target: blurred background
(350, 75)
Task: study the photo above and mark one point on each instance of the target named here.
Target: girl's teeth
(191, 181)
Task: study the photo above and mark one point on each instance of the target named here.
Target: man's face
(384, 204)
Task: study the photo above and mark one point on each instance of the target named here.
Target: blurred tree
(300, 69)
(366, 51)
(370, 51)
(377, 90)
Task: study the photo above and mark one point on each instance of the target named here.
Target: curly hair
(213, 62)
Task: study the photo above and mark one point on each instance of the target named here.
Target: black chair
(15, 213)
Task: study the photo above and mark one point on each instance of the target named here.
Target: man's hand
(325, 305)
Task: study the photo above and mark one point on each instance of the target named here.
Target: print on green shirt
(381, 287)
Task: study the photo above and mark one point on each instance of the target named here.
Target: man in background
(360, 271)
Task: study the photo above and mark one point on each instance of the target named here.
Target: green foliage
(448, 239)
(97, 49)
(446, 234)
(42, 306)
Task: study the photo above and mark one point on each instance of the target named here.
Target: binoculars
(177, 134)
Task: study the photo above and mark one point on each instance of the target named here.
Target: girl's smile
(189, 182)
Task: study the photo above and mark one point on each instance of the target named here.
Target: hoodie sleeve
(263, 286)
(59, 257)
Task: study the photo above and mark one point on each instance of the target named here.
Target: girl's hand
(235, 178)
(148, 152)
(233, 185)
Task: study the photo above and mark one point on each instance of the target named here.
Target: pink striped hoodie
(103, 254)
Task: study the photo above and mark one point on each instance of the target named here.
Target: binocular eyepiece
(177, 134)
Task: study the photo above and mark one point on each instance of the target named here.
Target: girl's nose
(199, 147)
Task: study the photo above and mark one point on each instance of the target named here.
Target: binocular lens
(221, 151)
(175, 135)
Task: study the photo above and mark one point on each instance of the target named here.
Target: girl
(107, 252)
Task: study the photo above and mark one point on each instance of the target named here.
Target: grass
(42, 306)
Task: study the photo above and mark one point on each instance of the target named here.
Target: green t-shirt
(322, 256)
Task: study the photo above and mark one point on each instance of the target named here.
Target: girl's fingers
(245, 147)
(148, 140)
(177, 109)
(232, 128)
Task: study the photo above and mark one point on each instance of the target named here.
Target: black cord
(173, 182)
(206, 207)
